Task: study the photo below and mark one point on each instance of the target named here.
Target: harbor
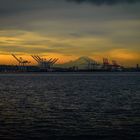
(82, 64)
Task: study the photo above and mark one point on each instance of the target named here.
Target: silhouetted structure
(86, 65)
(111, 67)
(21, 61)
(43, 63)
(137, 66)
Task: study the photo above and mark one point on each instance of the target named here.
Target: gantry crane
(21, 61)
(53, 61)
(43, 62)
(105, 62)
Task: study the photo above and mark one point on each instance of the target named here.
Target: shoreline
(72, 72)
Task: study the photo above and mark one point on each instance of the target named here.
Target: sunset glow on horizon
(69, 29)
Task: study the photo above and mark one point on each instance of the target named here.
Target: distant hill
(83, 62)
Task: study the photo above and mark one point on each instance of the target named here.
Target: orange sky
(123, 57)
(68, 30)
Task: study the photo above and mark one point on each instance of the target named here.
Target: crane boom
(16, 58)
(55, 60)
(39, 60)
(49, 61)
(35, 58)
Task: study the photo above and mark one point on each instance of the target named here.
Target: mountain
(82, 63)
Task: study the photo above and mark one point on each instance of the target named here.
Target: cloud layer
(66, 29)
(107, 2)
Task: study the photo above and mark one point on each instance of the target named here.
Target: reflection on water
(70, 106)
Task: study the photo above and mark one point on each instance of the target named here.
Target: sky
(68, 29)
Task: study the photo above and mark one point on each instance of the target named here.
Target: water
(70, 106)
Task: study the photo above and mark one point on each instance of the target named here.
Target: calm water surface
(70, 106)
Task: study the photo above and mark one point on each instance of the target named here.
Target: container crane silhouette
(21, 61)
(43, 62)
(105, 62)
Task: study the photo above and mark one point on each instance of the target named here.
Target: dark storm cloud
(107, 2)
(8, 7)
